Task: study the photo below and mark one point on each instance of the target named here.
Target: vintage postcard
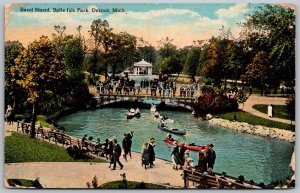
(150, 95)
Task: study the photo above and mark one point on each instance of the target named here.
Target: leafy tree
(166, 49)
(202, 59)
(103, 38)
(38, 71)
(12, 90)
(260, 72)
(272, 27)
(73, 57)
(241, 96)
(192, 61)
(171, 65)
(213, 67)
(123, 51)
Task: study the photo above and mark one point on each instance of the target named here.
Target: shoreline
(243, 127)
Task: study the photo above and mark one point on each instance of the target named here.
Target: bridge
(185, 102)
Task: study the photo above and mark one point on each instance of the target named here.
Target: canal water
(257, 158)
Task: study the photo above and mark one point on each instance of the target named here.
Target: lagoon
(257, 158)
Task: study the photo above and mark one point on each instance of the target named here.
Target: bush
(207, 89)
(26, 117)
(211, 102)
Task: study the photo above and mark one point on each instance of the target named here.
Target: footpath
(76, 175)
(264, 100)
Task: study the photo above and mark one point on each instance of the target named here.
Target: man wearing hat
(211, 156)
(151, 152)
(117, 153)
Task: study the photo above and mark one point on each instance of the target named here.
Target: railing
(213, 181)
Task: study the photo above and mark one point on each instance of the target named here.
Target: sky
(181, 22)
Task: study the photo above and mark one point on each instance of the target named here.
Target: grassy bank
(22, 148)
(130, 185)
(280, 111)
(243, 116)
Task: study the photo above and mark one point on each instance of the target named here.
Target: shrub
(26, 117)
(215, 102)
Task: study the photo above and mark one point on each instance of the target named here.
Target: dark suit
(117, 154)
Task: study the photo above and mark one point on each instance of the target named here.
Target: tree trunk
(95, 62)
(105, 70)
(34, 116)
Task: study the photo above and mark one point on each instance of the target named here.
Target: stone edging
(259, 130)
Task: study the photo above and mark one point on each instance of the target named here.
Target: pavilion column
(138, 70)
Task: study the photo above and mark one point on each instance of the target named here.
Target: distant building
(142, 68)
(140, 71)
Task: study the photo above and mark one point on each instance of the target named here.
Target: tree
(166, 49)
(171, 65)
(192, 61)
(12, 90)
(73, 56)
(38, 71)
(241, 96)
(290, 105)
(260, 72)
(103, 38)
(213, 67)
(273, 26)
(123, 51)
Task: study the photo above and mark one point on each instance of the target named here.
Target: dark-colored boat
(171, 130)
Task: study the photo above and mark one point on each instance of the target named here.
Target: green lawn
(243, 116)
(22, 148)
(130, 185)
(280, 111)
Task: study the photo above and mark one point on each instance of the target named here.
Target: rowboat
(171, 130)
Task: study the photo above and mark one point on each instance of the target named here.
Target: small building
(142, 68)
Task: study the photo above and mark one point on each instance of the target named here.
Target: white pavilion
(142, 68)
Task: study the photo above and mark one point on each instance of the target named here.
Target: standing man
(125, 146)
(117, 154)
(211, 157)
(130, 136)
(151, 152)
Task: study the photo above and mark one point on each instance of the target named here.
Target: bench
(50, 135)
(26, 128)
(211, 181)
(236, 185)
(224, 184)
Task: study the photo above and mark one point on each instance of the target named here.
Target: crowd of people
(113, 150)
(126, 86)
(181, 157)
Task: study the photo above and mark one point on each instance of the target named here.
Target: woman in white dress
(270, 111)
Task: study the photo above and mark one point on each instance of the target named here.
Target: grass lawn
(22, 148)
(280, 111)
(130, 185)
(243, 116)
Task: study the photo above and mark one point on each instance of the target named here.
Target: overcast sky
(181, 22)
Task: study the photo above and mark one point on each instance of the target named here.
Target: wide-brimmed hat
(211, 145)
(152, 140)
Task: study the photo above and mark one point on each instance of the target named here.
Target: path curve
(264, 100)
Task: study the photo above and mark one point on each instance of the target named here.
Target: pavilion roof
(143, 63)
